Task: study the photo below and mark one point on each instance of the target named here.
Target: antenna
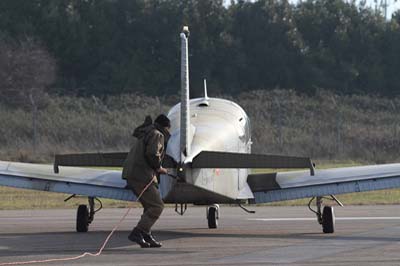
(205, 90)
(185, 111)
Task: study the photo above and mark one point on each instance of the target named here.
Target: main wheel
(328, 220)
(212, 217)
(82, 219)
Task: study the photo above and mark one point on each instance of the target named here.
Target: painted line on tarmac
(313, 219)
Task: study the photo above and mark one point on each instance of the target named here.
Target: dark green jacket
(146, 155)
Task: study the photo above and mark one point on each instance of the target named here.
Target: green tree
(391, 57)
(267, 49)
(26, 69)
(342, 45)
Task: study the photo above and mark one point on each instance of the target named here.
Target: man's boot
(150, 239)
(137, 236)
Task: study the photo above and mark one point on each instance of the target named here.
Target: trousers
(152, 205)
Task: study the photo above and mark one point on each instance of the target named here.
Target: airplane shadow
(72, 243)
(303, 236)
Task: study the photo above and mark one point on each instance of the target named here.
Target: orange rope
(98, 253)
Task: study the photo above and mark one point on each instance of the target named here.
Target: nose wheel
(213, 216)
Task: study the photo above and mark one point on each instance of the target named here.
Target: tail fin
(185, 112)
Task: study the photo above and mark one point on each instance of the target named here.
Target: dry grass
(18, 199)
(327, 127)
(324, 126)
(14, 199)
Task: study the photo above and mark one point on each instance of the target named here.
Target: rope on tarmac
(98, 253)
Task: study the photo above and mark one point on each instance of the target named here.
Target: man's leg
(152, 209)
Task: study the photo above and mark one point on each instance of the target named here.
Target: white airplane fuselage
(204, 124)
(215, 125)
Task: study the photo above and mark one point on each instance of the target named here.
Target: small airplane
(209, 160)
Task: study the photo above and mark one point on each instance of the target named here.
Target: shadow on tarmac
(72, 243)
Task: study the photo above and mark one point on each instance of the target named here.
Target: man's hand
(162, 171)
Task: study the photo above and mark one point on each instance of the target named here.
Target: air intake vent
(203, 104)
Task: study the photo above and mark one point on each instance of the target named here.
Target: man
(141, 168)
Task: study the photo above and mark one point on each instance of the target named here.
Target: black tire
(328, 220)
(82, 219)
(212, 218)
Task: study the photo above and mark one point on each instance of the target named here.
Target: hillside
(325, 126)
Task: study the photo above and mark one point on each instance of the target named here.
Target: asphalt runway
(365, 235)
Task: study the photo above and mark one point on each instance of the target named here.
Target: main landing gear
(213, 216)
(85, 214)
(326, 217)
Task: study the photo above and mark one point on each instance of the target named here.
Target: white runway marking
(313, 219)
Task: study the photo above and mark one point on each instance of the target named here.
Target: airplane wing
(70, 180)
(301, 184)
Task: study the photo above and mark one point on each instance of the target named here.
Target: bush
(324, 126)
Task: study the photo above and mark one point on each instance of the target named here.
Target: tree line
(112, 47)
